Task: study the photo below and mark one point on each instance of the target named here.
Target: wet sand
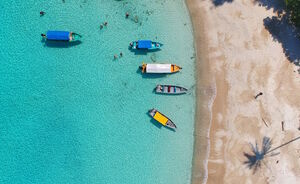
(237, 58)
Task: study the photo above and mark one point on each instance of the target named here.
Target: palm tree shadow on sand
(256, 157)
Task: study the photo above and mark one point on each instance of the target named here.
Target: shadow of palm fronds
(255, 158)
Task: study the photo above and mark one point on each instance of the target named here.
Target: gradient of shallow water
(72, 114)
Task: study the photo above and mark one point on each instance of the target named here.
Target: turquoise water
(72, 114)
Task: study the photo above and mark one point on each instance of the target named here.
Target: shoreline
(236, 58)
(205, 93)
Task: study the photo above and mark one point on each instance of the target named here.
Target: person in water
(105, 23)
(126, 15)
(115, 57)
(43, 35)
(121, 54)
(42, 13)
(101, 26)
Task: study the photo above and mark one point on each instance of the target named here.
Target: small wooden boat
(61, 36)
(170, 89)
(162, 119)
(160, 68)
(145, 45)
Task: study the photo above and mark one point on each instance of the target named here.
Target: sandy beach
(239, 56)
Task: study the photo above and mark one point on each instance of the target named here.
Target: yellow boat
(162, 119)
(160, 68)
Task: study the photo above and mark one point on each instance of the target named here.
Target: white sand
(243, 60)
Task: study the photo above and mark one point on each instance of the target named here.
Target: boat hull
(160, 68)
(154, 46)
(162, 119)
(62, 36)
(170, 89)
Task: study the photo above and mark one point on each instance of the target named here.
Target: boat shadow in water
(150, 75)
(142, 51)
(59, 44)
(158, 125)
(155, 123)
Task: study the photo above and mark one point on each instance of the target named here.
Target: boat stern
(152, 112)
(143, 68)
(133, 45)
(74, 37)
(184, 90)
(156, 45)
(159, 45)
(175, 68)
(170, 124)
(158, 88)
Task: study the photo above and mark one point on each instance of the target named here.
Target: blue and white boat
(61, 36)
(145, 45)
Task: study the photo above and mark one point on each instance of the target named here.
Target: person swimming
(126, 15)
(43, 35)
(42, 13)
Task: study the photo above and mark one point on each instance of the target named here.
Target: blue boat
(61, 36)
(145, 45)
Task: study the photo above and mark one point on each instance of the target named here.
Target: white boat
(160, 68)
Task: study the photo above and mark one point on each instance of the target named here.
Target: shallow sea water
(72, 114)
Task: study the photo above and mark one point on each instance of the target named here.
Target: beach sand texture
(237, 58)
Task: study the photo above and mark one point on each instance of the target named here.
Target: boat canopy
(158, 68)
(144, 44)
(58, 35)
(160, 118)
